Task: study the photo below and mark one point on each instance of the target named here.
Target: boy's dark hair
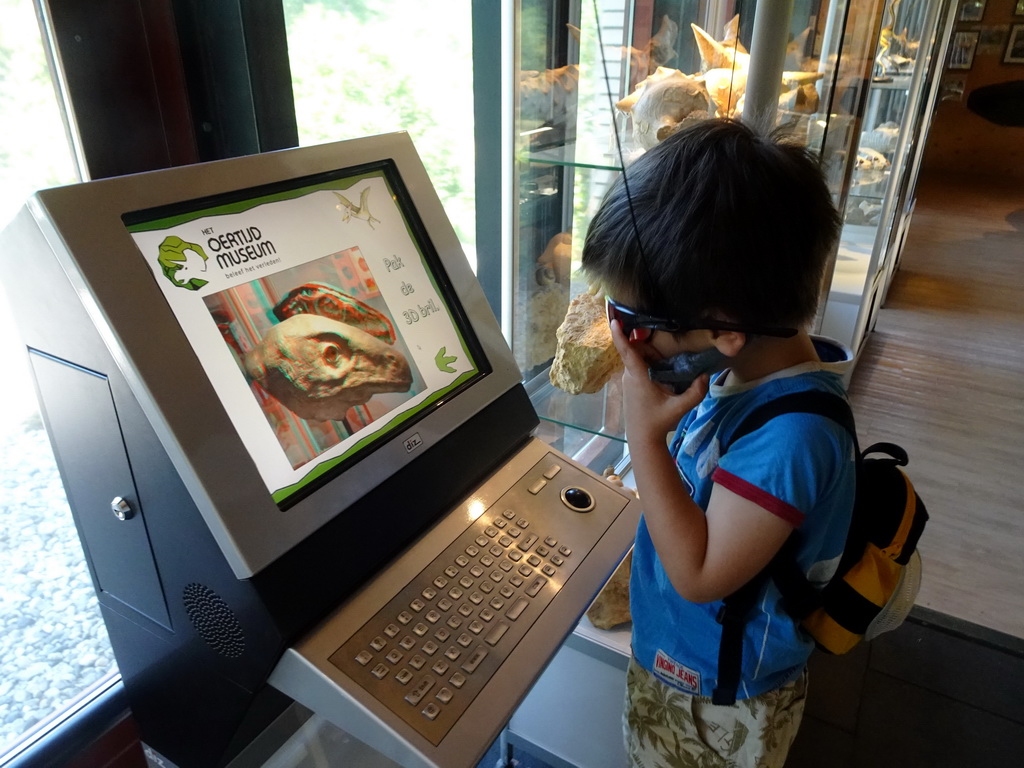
(728, 220)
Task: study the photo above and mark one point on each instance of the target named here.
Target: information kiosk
(299, 455)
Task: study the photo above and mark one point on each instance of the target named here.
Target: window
(52, 638)
(364, 67)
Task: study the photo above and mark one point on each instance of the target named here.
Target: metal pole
(767, 58)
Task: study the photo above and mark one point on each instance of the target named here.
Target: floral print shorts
(666, 728)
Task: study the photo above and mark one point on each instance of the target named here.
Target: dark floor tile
(820, 745)
(977, 674)
(835, 687)
(906, 726)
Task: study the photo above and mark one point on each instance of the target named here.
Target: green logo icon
(444, 361)
(181, 262)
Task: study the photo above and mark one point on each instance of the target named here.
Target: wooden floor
(943, 375)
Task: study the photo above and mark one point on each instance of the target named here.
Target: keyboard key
(458, 680)
(453, 653)
(442, 634)
(417, 662)
(415, 696)
(475, 658)
(430, 647)
(551, 471)
(365, 657)
(565, 550)
(517, 608)
(380, 671)
(508, 514)
(432, 616)
(404, 676)
(538, 486)
(378, 643)
(536, 586)
(440, 667)
(391, 630)
(404, 617)
(394, 656)
(407, 643)
(444, 695)
(431, 711)
(527, 542)
(497, 632)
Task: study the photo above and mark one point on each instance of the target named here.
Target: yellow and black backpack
(879, 572)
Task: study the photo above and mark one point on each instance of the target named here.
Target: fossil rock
(319, 368)
(726, 87)
(662, 103)
(585, 357)
(611, 606)
(720, 55)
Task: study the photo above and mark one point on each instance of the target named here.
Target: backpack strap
(800, 597)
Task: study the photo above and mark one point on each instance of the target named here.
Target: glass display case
(900, 101)
(601, 81)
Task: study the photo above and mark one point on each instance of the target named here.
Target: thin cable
(618, 148)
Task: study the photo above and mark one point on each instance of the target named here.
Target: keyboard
(429, 653)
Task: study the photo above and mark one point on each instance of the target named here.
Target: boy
(714, 256)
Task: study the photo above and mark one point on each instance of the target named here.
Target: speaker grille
(214, 620)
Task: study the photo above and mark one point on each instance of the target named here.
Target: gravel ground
(52, 638)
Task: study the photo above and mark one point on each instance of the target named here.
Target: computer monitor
(284, 416)
(283, 319)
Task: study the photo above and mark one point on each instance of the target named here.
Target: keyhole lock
(122, 509)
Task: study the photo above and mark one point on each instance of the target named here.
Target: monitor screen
(298, 327)
(320, 312)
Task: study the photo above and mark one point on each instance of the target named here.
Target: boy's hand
(651, 409)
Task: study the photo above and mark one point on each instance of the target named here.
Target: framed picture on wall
(962, 48)
(972, 10)
(1015, 46)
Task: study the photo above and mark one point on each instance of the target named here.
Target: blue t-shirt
(798, 466)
